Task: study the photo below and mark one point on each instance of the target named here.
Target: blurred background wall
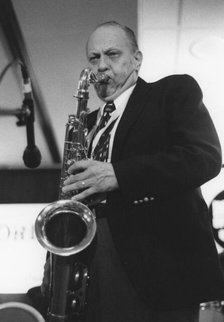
(55, 34)
(175, 36)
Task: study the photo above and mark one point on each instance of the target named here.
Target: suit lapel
(91, 119)
(130, 115)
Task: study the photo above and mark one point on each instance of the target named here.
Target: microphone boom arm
(25, 115)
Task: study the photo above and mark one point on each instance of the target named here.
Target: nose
(102, 64)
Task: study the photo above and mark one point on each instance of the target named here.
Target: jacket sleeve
(192, 157)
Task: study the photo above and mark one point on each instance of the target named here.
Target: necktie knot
(109, 107)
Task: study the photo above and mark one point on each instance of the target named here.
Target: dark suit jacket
(165, 147)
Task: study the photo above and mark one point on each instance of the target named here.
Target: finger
(80, 185)
(84, 175)
(78, 166)
(84, 194)
(70, 179)
(77, 177)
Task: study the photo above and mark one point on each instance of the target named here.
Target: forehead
(106, 37)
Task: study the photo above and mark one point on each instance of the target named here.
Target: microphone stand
(20, 112)
(25, 115)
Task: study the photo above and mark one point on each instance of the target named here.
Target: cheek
(122, 71)
(93, 68)
(124, 68)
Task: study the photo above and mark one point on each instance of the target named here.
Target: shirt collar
(121, 100)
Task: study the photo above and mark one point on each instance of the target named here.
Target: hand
(90, 177)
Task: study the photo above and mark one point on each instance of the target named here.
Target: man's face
(110, 52)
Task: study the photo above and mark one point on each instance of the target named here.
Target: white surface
(22, 257)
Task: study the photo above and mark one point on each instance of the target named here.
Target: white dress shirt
(120, 104)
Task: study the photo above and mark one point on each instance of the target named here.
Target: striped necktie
(101, 150)
(107, 111)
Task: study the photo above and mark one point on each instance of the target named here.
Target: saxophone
(67, 228)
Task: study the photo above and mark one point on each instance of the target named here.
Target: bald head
(129, 33)
(112, 49)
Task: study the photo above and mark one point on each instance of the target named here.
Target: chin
(105, 95)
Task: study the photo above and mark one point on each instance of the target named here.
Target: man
(160, 260)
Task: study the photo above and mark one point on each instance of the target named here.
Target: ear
(138, 59)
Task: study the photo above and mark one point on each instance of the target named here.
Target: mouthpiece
(102, 78)
(95, 77)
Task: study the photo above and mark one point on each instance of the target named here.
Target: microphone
(31, 155)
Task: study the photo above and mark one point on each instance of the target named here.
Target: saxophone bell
(79, 233)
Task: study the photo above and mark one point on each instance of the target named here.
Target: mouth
(102, 78)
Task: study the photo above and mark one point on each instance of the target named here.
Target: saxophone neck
(82, 94)
(86, 78)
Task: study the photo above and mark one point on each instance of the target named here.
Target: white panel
(203, 14)
(158, 47)
(158, 13)
(208, 71)
(22, 257)
(169, 51)
(212, 188)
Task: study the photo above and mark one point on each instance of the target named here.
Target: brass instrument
(66, 228)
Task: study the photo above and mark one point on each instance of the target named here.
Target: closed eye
(94, 58)
(113, 54)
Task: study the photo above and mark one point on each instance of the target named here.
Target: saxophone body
(75, 144)
(66, 228)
